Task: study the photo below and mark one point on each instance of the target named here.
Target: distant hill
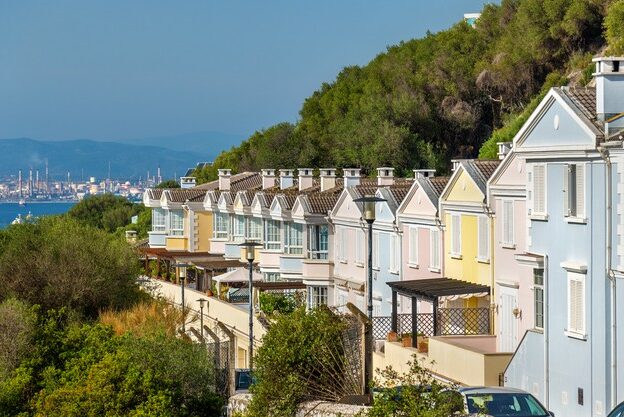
(209, 144)
(91, 158)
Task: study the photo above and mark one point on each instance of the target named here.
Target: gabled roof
(480, 170)
(154, 193)
(181, 195)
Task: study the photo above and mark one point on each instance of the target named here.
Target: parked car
(502, 402)
(617, 411)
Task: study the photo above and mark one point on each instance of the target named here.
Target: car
(617, 411)
(501, 402)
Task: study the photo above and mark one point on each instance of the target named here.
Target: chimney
(609, 78)
(286, 178)
(424, 173)
(503, 149)
(328, 178)
(305, 178)
(351, 176)
(224, 179)
(268, 178)
(456, 163)
(187, 182)
(385, 176)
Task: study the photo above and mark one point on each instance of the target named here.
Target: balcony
(157, 239)
(318, 268)
(291, 264)
(217, 246)
(175, 243)
(270, 258)
(232, 250)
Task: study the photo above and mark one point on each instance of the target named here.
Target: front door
(507, 321)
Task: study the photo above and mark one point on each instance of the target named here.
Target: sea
(9, 211)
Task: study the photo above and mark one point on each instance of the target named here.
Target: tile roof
(584, 98)
(486, 167)
(181, 195)
(322, 203)
(438, 184)
(399, 193)
(155, 193)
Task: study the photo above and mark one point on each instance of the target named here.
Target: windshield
(505, 405)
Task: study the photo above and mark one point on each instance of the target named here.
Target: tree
(17, 326)
(59, 262)
(614, 28)
(107, 212)
(168, 184)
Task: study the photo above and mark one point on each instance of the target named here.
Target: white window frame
(317, 247)
(159, 220)
(340, 244)
(413, 245)
(375, 250)
(238, 228)
(176, 222)
(576, 305)
(221, 225)
(538, 288)
(273, 235)
(434, 255)
(318, 295)
(507, 223)
(395, 254)
(359, 246)
(483, 238)
(456, 235)
(574, 186)
(254, 229)
(293, 238)
(272, 277)
(539, 195)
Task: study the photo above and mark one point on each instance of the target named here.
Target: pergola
(430, 289)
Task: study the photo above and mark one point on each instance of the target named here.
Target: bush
(280, 303)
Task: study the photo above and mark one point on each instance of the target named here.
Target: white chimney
(328, 178)
(187, 182)
(305, 178)
(385, 176)
(268, 178)
(424, 173)
(351, 176)
(286, 178)
(224, 179)
(609, 78)
(503, 149)
(456, 163)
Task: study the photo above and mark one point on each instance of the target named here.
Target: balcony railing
(451, 322)
(157, 239)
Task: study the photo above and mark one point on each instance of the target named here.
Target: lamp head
(250, 249)
(369, 202)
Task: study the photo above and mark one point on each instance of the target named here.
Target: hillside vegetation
(425, 101)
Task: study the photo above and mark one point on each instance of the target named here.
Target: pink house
(518, 286)
(422, 237)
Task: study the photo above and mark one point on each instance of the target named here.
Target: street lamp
(202, 302)
(182, 268)
(368, 215)
(250, 254)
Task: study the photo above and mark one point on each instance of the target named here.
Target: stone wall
(238, 404)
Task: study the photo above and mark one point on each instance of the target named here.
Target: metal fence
(451, 321)
(219, 352)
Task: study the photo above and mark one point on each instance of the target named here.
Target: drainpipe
(546, 335)
(604, 153)
(490, 214)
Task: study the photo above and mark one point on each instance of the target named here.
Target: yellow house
(467, 226)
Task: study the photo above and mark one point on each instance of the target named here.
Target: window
(359, 246)
(434, 257)
(176, 222)
(272, 277)
(574, 191)
(539, 189)
(317, 296)
(576, 303)
(221, 225)
(238, 231)
(508, 225)
(318, 242)
(395, 254)
(158, 220)
(483, 243)
(538, 297)
(341, 244)
(341, 300)
(273, 236)
(254, 228)
(293, 238)
(455, 234)
(413, 245)
(376, 250)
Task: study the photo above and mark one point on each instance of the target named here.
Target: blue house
(572, 144)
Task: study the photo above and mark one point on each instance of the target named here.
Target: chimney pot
(385, 176)
(424, 173)
(268, 178)
(187, 182)
(328, 178)
(609, 77)
(351, 176)
(306, 180)
(286, 178)
(503, 149)
(224, 179)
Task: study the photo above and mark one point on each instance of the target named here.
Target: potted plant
(393, 337)
(423, 345)
(407, 340)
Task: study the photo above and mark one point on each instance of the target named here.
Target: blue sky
(122, 69)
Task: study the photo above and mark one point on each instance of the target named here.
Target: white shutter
(508, 225)
(539, 189)
(566, 190)
(413, 245)
(483, 239)
(359, 246)
(580, 190)
(375, 249)
(455, 234)
(434, 258)
(397, 253)
(576, 303)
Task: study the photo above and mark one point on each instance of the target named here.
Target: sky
(118, 69)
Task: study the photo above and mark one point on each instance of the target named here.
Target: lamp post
(249, 254)
(368, 215)
(202, 302)
(182, 268)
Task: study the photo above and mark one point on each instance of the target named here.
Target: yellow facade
(174, 243)
(203, 230)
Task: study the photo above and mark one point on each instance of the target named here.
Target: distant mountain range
(129, 159)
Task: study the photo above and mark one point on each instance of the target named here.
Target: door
(507, 321)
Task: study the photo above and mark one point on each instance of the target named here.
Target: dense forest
(425, 101)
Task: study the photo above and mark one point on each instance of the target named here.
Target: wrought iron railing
(451, 321)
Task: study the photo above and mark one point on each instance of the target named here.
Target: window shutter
(413, 245)
(483, 241)
(456, 234)
(508, 226)
(376, 249)
(435, 249)
(580, 190)
(576, 311)
(539, 189)
(566, 190)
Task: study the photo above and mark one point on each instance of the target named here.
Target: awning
(236, 275)
(437, 287)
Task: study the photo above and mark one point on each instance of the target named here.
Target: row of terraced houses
(513, 267)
